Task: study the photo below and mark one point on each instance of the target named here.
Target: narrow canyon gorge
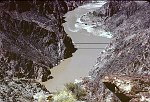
(103, 46)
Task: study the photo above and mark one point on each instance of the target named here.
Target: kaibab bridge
(88, 44)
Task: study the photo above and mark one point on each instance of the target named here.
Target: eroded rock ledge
(129, 88)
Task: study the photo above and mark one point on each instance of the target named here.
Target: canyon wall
(32, 37)
(32, 40)
(126, 58)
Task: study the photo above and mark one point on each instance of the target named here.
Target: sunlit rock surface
(129, 51)
(129, 88)
(22, 91)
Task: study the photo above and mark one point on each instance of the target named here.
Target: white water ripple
(93, 5)
(90, 28)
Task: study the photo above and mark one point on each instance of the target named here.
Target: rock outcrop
(32, 40)
(128, 54)
(32, 37)
(22, 91)
(129, 88)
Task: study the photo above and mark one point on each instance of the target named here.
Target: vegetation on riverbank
(71, 93)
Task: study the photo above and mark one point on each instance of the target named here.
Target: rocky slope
(32, 37)
(128, 54)
(22, 91)
(129, 88)
(32, 40)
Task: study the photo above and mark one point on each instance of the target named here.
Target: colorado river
(83, 59)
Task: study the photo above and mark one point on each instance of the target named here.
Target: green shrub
(71, 93)
(63, 96)
(76, 90)
(71, 87)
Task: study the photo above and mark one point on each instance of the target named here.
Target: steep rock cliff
(32, 37)
(32, 40)
(128, 54)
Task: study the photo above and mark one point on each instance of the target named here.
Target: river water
(83, 59)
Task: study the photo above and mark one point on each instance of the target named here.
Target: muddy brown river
(84, 58)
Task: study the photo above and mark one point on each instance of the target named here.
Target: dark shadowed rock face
(129, 51)
(32, 40)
